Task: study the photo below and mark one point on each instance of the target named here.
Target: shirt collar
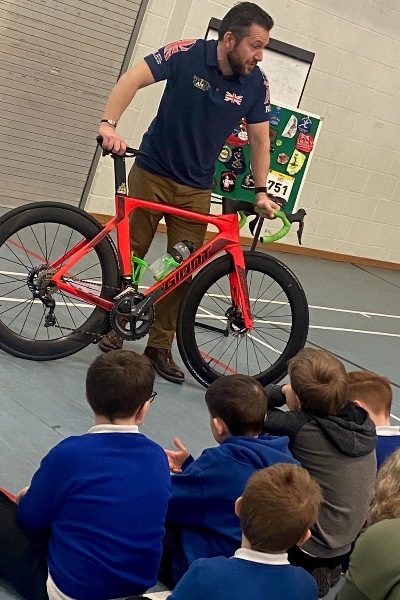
(109, 428)
(262, 557)
(388, 430)
(212, 61)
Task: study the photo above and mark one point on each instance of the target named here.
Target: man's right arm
(121, 96)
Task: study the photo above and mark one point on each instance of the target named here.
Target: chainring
(127, 326)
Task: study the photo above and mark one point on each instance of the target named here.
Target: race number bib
(279, 184)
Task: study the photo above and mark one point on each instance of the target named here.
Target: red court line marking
(219, 363)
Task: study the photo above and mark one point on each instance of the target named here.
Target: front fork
(239, 287)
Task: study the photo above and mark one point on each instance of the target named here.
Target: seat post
(120, 174)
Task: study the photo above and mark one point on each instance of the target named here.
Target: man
(210, 86)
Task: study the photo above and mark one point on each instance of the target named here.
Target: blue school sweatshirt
(103, 496)
(202, 502)
(233, 578)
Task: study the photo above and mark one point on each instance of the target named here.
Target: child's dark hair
(118, 383)
(279, 504)
(320, 381)
(241, 17)
(240, 401)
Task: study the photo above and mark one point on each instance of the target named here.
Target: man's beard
(237, 67)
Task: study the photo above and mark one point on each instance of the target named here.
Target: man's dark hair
(241, 17)
(118, 383)
(240, 401)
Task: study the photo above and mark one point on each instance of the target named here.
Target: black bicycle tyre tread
(221, 266)
(98, 322)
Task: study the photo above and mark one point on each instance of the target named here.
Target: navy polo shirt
(198, 111)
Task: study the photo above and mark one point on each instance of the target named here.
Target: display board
(293, 135)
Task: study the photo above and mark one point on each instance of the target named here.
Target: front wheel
(211, 347)
(32, 238)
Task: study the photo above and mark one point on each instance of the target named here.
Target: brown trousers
(143, 226)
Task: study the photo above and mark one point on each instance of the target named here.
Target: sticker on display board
(290, 127)
(276, 115)
(228, 179)
(279, 184)
(225, 154)
(305, 142)
(282, 158)
(237, 163)
(305, 125)
(248, 182)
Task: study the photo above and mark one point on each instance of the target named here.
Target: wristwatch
(257, 190)
(110, 122)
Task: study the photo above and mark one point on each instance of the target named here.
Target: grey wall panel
(59, 61)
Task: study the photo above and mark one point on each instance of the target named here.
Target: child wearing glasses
(91, 523)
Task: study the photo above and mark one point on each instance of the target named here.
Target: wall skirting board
(290, 249)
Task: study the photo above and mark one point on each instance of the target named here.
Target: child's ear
(360, 404)
(303, 539)
(220, 426)
(238, 504)
(141, 413)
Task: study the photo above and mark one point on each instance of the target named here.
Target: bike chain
(99, 336)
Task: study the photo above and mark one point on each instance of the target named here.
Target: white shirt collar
(262, 557)
(109, 428)
(388, 430)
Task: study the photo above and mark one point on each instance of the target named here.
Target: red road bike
(64, 283)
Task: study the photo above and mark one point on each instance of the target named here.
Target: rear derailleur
(42, 288)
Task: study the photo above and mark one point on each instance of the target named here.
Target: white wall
(352, 192)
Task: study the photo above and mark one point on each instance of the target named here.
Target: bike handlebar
(129, 152)
(287, 220)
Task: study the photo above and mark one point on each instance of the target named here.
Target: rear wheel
(32, 237)
(210, 343)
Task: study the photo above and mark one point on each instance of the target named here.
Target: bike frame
(227, 238)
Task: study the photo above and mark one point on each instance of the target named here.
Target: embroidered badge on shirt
(179, 46)
(200, 83)
(266, 83)
(234, 98)
(157, 57)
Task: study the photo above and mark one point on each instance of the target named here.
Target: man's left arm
(258, 134)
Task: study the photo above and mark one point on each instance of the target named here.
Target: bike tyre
(263, 264)
(98, 322)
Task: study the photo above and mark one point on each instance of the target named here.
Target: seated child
(374, 572)
(101, 498)
(335, 441)
(373, 392)
(201, 520)
(276, 511)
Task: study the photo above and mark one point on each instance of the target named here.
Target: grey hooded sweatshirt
(339, 452)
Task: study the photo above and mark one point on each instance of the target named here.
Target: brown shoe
(111, 341)
(164, 364)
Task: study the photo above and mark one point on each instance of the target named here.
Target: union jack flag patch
(179, 46)
(234, 98)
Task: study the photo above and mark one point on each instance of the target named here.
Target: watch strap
(110, 122)
(257, 190)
